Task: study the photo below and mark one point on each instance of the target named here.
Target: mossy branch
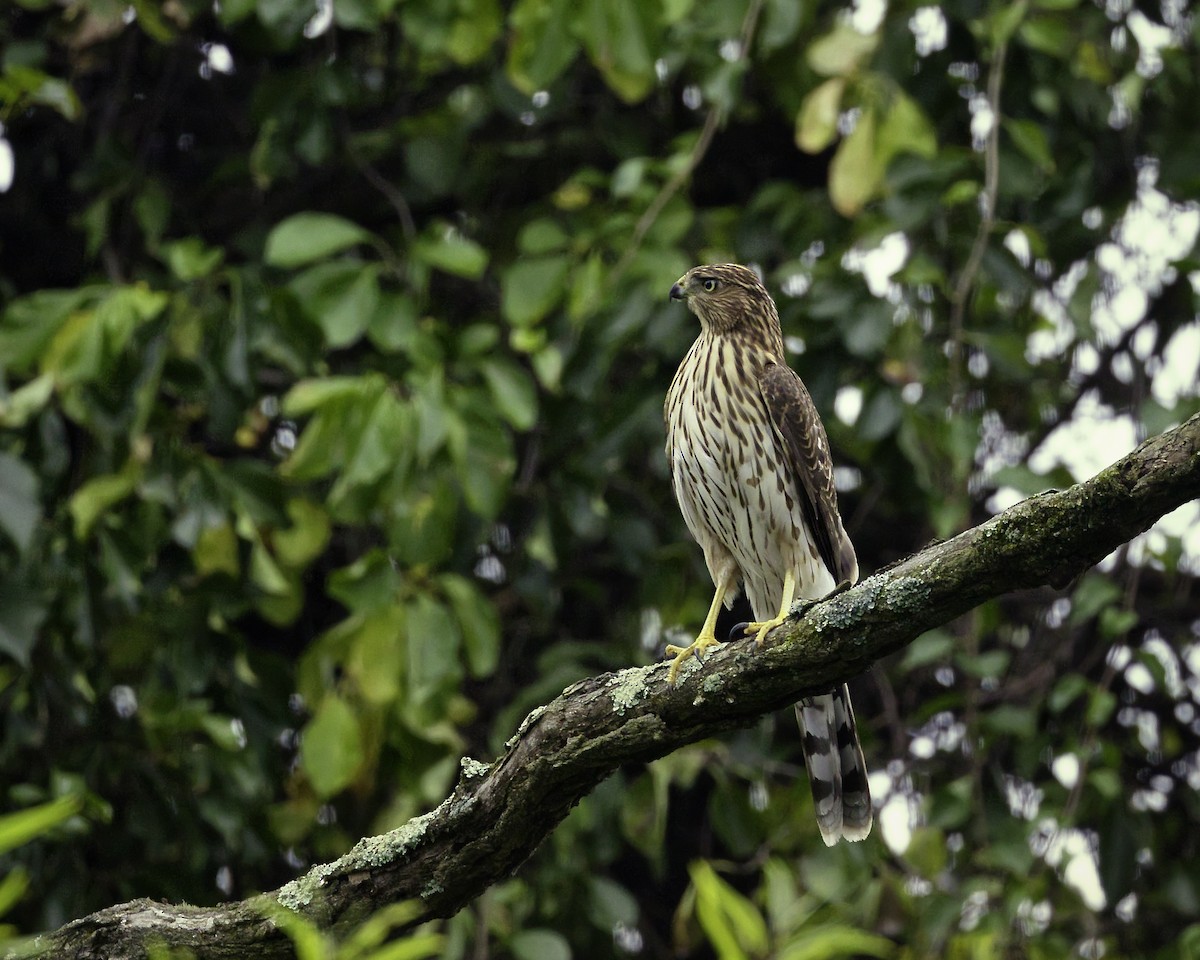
(499, 813)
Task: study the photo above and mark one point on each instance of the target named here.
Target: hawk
(751, 470)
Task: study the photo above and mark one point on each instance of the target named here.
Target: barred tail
(837, 771)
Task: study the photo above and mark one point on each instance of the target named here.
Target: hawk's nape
(751, 469)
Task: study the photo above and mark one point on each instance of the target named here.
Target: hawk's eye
(710, 284)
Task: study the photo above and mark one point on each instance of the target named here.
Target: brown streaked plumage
(751, 470)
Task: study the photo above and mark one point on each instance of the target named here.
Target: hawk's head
(725, 296)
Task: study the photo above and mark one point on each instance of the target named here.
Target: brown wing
(806, 452)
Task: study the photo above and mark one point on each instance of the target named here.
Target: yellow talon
(760, 630)
(706, 640)
(695, 649)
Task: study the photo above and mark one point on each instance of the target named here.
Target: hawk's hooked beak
(677, 292)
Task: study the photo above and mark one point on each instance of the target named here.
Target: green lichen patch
(431, 889)
(711, 684)
(388, 847)
(378, 851)
(300, 892)
(627, 689)
(909, 591)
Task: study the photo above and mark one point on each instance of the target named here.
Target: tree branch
(712, 121)
(499, 813)
(987, 220)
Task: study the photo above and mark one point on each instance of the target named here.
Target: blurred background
(333, 344)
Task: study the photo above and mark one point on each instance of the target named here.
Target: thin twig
(991, 185)
(389, 190)
(712, 121)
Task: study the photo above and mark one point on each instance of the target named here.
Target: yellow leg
(706, 639)
(760, 630)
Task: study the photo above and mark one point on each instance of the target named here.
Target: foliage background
(332, 354)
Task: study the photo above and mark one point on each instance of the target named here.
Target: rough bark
(499, 812)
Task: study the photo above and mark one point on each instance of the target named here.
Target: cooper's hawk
(752, 473)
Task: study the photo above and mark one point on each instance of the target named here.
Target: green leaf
(532, 288)
(610, 904)
(936, 646)
(618, 42)
(453, 253)
(331, 751)
(479, 622)
(513, 391)
(432, 640)
(265, 572)
(21, 616)
(1068, 689)
(434, 418)
(376, 658)
(856, 172)
(27, 83)
(85, 347)
(882, 414)
(1106, 782)
(370, 583)
(216, 551)
(393, 328)
(305, 237)
(31, 323)
(541, 43)
(223, 732)
(905, 129)
(191, 258)
(732, 923)
(927, 851)
(1009, 850)
(1031, 140)
(830, 941)
(990, 664)
(1005, 19)
(309, 942)
(1101, 706)
(96, 496)
(369, 940)
(484, 465)
(475, 30)
(1116, 623)
(307, 537)
(841, 51)
(1010, 720)
(340, 297)
(434, 161)
(781, 22)
(543, 235)
(12, 889)
(539, 945)
(1056, 36)
(1093, 594)
(17, 829)
(26, 401)
(308, 395)
(816, 123)
(20, 503)
(421, 528)
(360, 430)
(378, 442)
